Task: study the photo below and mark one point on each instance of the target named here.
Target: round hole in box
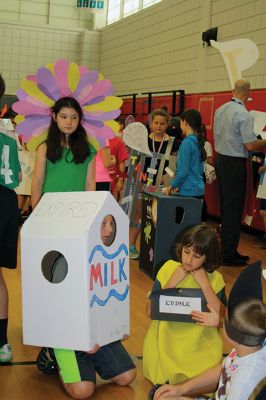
(108, 230)
(54, 266)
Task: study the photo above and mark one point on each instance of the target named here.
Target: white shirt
(240, 375)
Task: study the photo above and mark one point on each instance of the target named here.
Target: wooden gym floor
(22, 380)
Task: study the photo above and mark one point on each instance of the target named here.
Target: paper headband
(39, 93)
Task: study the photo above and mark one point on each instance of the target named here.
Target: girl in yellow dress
(176, 351)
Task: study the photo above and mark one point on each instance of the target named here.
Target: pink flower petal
(61, 77)
(27, 108)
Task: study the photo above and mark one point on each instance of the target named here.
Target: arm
(90, 180)
(38, 175)
(120, 181)
(255, 145)
(182, 165)
(204, 383)
(262, 169)
(201, 277)
(108, 160)
(178, 276)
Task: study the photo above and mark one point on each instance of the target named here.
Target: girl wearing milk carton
(177, 351)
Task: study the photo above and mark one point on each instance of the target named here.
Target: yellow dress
(177, 351)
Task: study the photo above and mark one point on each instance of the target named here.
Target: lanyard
(153, 144)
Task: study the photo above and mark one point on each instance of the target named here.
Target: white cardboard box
(91, 305)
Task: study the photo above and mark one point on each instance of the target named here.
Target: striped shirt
(233, 127)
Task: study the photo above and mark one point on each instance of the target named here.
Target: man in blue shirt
(234, 137)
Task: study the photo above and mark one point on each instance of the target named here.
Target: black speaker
(210, 34)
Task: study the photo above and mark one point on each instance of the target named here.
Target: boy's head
(162, 113)
(2, 86)
(108, 230)
(159, 121)
(247, 323)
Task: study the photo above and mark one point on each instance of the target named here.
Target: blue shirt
(189, 168)
(233, 127)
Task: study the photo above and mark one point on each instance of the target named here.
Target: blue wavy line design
(112, 293)
(100, 248)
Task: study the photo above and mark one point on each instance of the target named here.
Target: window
(118, 9)
(113, 12)
(147, 3)
(130, 6)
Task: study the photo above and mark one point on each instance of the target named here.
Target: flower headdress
(39, 93)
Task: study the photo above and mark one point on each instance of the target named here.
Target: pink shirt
(101, 173)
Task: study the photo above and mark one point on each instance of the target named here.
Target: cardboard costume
(177, 351)
(248, 285)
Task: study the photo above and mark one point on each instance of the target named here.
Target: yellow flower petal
(19, 118)
(100, 76)
(110, 103)
(50, 67)
(94, 142)
(35, 141)
(73, 76)
(113, 125)
(32, 90)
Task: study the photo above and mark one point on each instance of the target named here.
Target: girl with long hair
(65, 162)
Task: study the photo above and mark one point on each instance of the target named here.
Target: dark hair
(78, 143)
(193, 118)
(204, 242)
(120, 120)
(10, 114)
(162, 113)
(2, 86)
(249, 317)
(174, 128)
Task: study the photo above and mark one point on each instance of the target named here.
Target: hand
(94, 349)
(168, 391)
(262, 169)
(211, 318)
(113, 160)
(167, 191)
(201, 277)
(124, 337)
(163, 180)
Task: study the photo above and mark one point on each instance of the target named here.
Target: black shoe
(244, 258)
(233, 262)
(46, 361)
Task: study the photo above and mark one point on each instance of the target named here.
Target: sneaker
(133, 252)
(6, 354)
(46, 361)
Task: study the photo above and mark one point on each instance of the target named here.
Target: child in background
(177, 351)
(117, 172)
(65, 162)
(157, 143)
(188, 179)
(10, 176)
(104, 161)
(242, 374)
(121, 122)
